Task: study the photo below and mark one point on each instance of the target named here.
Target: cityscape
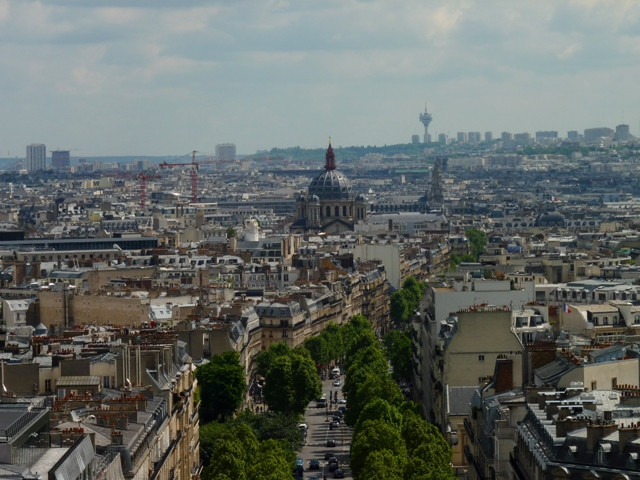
(150, 306)
(312, 240)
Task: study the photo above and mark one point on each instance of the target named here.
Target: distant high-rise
(572, 135)
(461, 137)
(622, 133)
(442, 138)
(474, 137)
(415, 139)
(523, 138)
(592, 135)
(546, 137)
(60, 158)
(36, 157)
(506, 137)
(488, 137)
(425, 119)
(225, 152)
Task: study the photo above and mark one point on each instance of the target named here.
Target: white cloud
(284, 72)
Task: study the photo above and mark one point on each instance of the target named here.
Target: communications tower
(425, 119)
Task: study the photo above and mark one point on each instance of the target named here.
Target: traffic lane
(318, 421)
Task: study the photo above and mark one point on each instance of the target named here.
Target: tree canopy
(376, 435)
(477, 241)
(222, 386)
(397, 344)
(240, 455)
(291, 380)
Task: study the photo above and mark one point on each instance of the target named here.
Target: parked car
(337, 382)
(333, 466)
(338, 473)
(314, 464)
(331, 443)
(328, 455)
(333, 425)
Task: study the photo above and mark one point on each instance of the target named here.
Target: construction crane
(194, 172)
(142, 180)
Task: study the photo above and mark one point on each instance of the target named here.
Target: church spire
(330, 158)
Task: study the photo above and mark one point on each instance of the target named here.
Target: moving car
(337, 382)
(314, 464)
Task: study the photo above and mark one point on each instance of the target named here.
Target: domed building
(329, 205)
(550, 218)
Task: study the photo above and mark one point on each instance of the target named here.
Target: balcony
(469, 429)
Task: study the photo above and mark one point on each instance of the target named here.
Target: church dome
(331, 184)
(550, 219)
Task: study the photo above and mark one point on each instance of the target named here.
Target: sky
(160, 77)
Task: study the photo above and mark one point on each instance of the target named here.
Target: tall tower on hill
(425, 119)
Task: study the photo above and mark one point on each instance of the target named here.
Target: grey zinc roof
(459, 399)
(74, 381)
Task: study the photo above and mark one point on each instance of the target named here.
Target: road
(318, 433)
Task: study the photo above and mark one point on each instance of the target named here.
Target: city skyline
(152, 78)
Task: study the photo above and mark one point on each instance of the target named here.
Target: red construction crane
(142, 179)
(194, 172)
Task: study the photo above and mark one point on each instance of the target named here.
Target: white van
(335, 373)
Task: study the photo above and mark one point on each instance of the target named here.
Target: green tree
(278, 386)
(477, 241)
(381, 465)
(319, 349)
(399, 308)
(398, 347)
(229, 460)
(291, 383)
(209, 434)
(305, 381)
(412, 290)
(333, 336)
(276, 426)
(357, 325)
(371, 363)
(458, 259)
(361, 341)
(266, 357)
(425, 442)
(272, 462)
(374, 386)
(376, 435)
(222, 386)
(379, 409)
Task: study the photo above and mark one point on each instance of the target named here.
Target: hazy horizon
(135, 78)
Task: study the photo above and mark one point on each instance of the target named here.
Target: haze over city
(159, 78)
